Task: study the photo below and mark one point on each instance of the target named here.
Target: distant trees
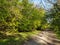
(56, 19)
(55, 16)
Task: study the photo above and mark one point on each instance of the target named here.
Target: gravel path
(43, 38)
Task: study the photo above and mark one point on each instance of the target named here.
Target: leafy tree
(21, 16)
(32, 17)
(56, 19)
(9, 15)
(55, 16)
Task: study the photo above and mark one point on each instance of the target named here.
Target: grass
(58, 36)
(16, 39)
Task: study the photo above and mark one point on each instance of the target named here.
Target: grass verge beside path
(17, 38)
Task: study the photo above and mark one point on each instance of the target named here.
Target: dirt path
(44, 38)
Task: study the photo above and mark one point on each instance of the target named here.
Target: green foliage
(32, 17)
(9, 15)
(56, 19)
(21, 16)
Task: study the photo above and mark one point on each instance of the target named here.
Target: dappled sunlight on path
(43, 38)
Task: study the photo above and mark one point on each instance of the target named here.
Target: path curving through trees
(43, 38)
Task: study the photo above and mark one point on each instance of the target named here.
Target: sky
(44, 3)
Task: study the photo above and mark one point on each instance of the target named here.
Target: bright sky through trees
(44, 3)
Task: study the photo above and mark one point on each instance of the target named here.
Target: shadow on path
(43, 38)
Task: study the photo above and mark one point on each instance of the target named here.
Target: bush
(31, 21)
